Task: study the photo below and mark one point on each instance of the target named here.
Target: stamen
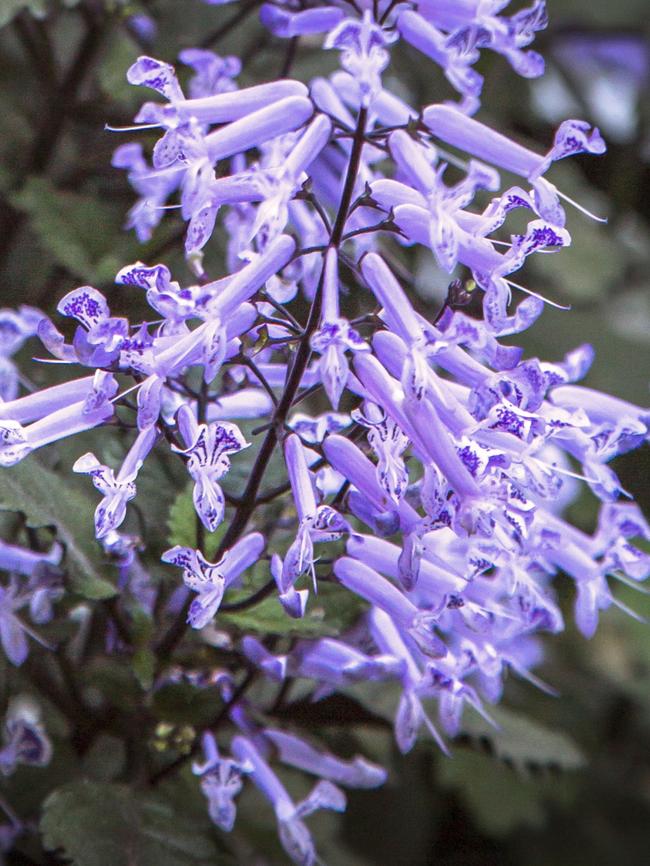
(136, 327)
(135, 128)
(564, 471)
(581, 208)
(506, 244)
(535, 680)
(628, 581)
(456, 161)
(537, 295)
(36, 636)
(128, 391)
(629, 611)
(434, 732)
(162, 172)
(162, 206)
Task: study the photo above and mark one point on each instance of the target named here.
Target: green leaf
(329, 613)
(112, 73)
(98, 824)
(185, 704)
(521, 742)
(80, 231)
(46, 499)
(182, 521)
(498, 800)
(105, 758)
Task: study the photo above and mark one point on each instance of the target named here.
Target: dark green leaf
(97, 824)
(498, 799)
(184, 704)
(329, 613)
(522, 742)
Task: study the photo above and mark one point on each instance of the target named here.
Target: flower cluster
(432, 481)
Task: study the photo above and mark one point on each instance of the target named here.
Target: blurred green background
(579, 796)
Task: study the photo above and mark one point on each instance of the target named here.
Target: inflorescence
(433, 485)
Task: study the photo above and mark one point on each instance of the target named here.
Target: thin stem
(248, 362)
(262, 593)
(289, 57)
(217, 35)
(350, 178)
(320, 210)
(249, 498)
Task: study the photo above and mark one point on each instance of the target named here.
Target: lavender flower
(210, 581)
(15, 327)
(294, 835)
(26, 741)
(208, 447)
(334, 335)
(221, 782)
(117, 489)
(317, 523)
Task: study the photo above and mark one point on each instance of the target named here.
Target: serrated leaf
(46, 499)
(522, 742)
(329, 613)
(97, 824)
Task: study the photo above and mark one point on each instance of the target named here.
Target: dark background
(518, 801)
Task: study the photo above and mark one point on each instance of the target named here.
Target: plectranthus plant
(365, 494)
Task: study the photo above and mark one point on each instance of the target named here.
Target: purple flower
(20, 560)
(428, 39)
(363, 52)
(209, 580)
(98, 340)
(15, 327)
(154, 190)
(285, 23)
(25, 739)
(357, 773)
(334, 336)
(212, 73)
(367, 583)
(316, 523)
(208, 447)
(572, 137)
(16, 441)
(221, 781)
(294, 835)
(117, 489)
(329, 661)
